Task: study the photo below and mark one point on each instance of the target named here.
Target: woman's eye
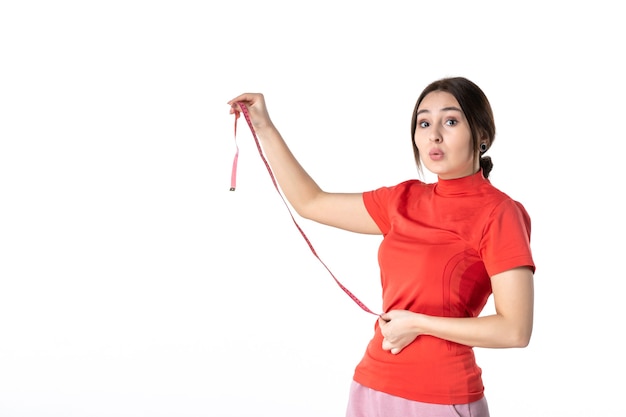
(423, 124)
(451, 122)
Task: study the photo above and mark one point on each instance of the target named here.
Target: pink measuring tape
(233, 185)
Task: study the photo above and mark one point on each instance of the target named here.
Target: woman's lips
(436, 154)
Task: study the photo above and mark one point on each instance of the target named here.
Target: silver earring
(483, 147)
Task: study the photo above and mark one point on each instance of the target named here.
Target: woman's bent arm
(510, 326)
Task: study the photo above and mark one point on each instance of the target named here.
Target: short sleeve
(377, 203)
(506, 240)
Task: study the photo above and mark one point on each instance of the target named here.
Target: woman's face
(443, 137)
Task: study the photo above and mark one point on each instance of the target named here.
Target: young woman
(446, 247)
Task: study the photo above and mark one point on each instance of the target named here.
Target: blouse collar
(470, 184)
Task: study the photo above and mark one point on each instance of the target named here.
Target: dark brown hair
(477, 110)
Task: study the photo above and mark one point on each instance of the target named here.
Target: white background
(134, 283)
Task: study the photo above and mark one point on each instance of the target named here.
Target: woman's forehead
(438, 101)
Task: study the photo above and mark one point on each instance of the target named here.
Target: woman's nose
(435, 136)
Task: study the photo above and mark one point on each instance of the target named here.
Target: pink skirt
(365, 402)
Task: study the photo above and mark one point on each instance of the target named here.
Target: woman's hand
(399, 329)
(510, 327)
(255, 102)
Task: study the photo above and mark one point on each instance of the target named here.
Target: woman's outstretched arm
(342, 210)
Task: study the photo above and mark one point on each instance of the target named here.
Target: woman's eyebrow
(451, 108)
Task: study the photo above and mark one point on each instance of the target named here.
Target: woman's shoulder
(500, 194)
(410, 185)
(503, 202)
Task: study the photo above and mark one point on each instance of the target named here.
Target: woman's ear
(484, 138)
